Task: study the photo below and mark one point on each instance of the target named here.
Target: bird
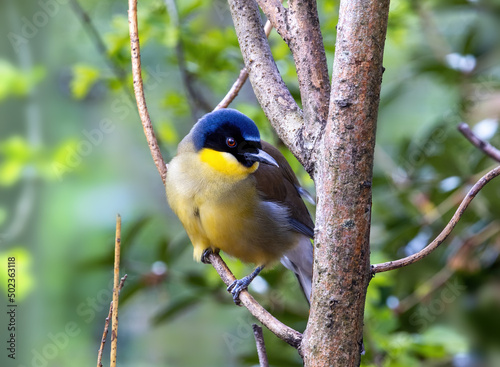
(235, 193)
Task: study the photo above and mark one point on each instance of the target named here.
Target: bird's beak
(261, 156)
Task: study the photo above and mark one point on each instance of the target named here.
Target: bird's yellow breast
(216, 199)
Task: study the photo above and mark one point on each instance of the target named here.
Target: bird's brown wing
(279, 184)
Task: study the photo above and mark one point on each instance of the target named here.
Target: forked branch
(391, 265)
(106, 326)
(298, 23)
(284, 332)
(489, 150)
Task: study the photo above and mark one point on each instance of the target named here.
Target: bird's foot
(206, 254)
(239, 285)
(236, 287)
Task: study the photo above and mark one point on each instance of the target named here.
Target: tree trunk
(343, 177)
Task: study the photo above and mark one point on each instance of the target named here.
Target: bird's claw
(236, 287)
(205, 255)
(239, 285)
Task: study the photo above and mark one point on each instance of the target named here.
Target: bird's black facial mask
(228, 138)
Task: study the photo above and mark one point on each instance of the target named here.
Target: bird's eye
(231, 143)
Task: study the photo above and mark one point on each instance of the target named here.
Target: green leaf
(17, 82)
(17, 154)
(177, 103)
(63, 159)
(167, 133)
(10, 172)
(171, 35)
(23, 273)
(84, 78)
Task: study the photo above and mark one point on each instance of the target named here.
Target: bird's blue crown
(224, 119)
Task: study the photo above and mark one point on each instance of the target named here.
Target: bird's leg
(240, 284)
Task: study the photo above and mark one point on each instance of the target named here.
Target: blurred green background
(73, 155)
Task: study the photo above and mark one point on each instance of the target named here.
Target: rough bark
(300, 29)
(343, 178)
(306, 44)
(273, 95)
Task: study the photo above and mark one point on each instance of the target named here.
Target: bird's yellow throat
(226, 163)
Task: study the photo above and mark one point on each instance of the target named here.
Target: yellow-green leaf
(84, 77)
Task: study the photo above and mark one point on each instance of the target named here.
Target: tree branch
(116, 292)
(391, 265)
(233, 92)
(276, 13)
(261, 346)
(454, 263)
(486, 147)
(300, 29)
(106, 326)
(343, 177)
(492, 152)
(271, 92)
(281, 330)
(139, 91)
(306, 44)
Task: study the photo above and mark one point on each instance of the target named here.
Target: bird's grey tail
(300, 261)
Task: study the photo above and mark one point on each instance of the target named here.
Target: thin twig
(391, 265)
(116, 292)
(454, 263)
(235, 89)
(261, 346)
(104, 335)
(484, 146)
(282, 331)
(106, 326)
(242, 78)
(139, 91)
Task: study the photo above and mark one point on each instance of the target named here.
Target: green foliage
(16, 152)
(17, 82)
(84, 78)
(23, 272)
